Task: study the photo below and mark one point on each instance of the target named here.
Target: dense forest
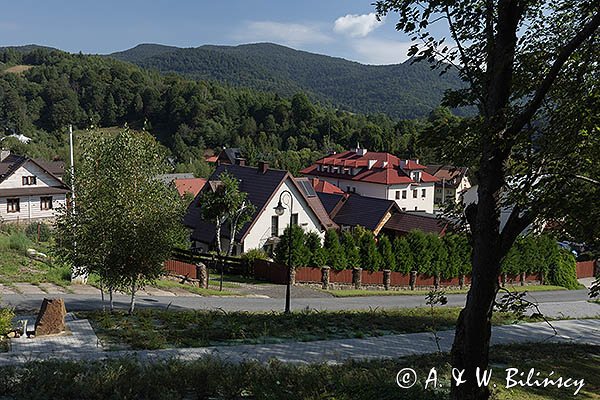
(407, 90)
(43, 91)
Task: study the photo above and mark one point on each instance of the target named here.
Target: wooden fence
(183, 262)
(586, 269)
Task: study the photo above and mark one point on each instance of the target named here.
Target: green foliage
(300, 254)
(422, 257)
(336, 257)
(126, 221)
(563, 272)
(224, 205)
(404, 90)
(369, 256)
(40, 232)
(351, 250)
(6, 317)
(190, 116)
(403, 254)
(254, 254)
(318, 255)
(388, 260)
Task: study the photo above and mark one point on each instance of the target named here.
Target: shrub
(254, 254)
(351, 250)
(369, 256)
(40, 232)
(403, 255)
(387, 254)
(6, 317)
(19, 242)
(336, 258)
(563, 272)
(300, 254)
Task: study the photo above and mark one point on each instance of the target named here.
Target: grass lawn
(154, 329)
(211, 291)
(367, 292)
(16, 266)
(360, 380)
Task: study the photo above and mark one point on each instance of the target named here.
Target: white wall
(388, 192)
(261, 231)
(30, 208)
(29, 169)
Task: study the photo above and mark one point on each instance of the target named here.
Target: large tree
(531, 69)
(125, 221)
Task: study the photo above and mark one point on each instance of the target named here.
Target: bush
(6, 317)
(19, 242)
(563, 272)
(254, 254)
(38, 229)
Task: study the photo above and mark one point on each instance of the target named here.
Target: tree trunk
(132, 302)
(110, 296)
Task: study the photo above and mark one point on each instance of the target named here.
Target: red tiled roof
(325, 187)
(189, 185)
(211, 159)
(407, 221)
(383, 168)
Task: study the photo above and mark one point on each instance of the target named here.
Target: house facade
(29, 190)
(378, 175)
(452, 183)
(264, 187)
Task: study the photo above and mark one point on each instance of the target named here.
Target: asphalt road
(572, 303)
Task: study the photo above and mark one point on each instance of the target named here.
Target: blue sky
(342, 28)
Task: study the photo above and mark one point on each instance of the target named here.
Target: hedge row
(447, 257)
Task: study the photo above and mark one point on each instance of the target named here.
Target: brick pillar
(357, 277)
(541, 278)
(387, 277)
(202, 275)
(325, 277)
(461, 280)
(413, 280)
(597, 268)
(503, 279)
(522, 278)
(293, 276)
(436, 281)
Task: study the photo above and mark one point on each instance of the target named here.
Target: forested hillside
(402, 91)
(188, 116)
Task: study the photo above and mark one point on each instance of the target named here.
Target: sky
(341, 28)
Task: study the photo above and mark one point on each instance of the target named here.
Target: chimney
(263, 166)
(4, 154)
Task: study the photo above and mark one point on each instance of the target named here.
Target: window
(397, 194)
(29, 180)
(46, 203)
(294, 219)
(415, 193)
(423, 193)
(13, 205)
(404, 194)
(416, 208)
(348, 189)
(274, 225)
(403, 208)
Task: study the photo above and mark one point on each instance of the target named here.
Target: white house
(379, 175)
(264, 187)
(30, 190)
(452, 182)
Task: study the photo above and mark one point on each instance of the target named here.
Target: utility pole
(72, 167)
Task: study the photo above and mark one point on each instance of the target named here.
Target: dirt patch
(17, 69)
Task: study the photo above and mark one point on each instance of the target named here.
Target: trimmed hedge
(426, 253)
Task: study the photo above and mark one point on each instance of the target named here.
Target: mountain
(405, 90)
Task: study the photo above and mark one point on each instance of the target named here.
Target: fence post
(387, 277)
(413, 280)
(597, 268)
(357, 277)
(541, 277)
(522, 278)
(325, 277)
(503, 279)
(292, 276)
(202, 275)
(461, 281)
(436, 281)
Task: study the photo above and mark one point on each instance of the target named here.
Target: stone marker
(51, 318)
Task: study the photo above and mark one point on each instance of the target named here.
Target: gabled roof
(260, 187)
(189, 185)
(12, 163)
(353, 209)
(448, 175)
(324, 186)
(408, 220)
(375, 167)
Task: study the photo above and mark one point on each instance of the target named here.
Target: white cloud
(355, 25)
(284, 33)
(380, 51)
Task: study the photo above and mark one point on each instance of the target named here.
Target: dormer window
(325, 168)
(336, 170)
(29, 180)
(415, 176)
